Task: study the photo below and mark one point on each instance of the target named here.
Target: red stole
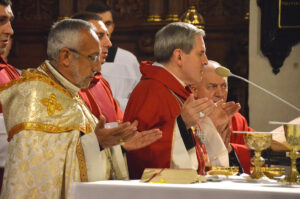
(7, 73)
(202, 156)
(99, 100)
(201, 152)
(90, 101)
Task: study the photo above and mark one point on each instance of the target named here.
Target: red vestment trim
(239, 123)
(7, 73)
(99, 100)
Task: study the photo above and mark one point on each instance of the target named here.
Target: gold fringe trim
(81, 162)
(45, 127)
(34, 75)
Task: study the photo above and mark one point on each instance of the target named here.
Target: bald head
(212, 86)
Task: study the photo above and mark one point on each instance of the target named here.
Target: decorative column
(65, 9)
(174, 10)
(156, 8)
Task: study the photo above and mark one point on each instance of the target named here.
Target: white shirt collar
(66, 83)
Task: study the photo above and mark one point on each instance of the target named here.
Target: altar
(226, 189)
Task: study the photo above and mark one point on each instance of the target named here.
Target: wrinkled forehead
(211, 77)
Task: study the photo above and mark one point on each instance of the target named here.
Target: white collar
(66, 83)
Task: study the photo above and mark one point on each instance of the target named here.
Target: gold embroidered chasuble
(51, 139)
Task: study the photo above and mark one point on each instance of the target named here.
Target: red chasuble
(154, 106)
(99, 100)
(7, 73)
(239, 123)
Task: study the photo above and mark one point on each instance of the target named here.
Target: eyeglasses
(92, 58)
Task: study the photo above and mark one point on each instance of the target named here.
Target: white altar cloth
(224, 190)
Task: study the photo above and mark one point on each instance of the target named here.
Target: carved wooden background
(225, 25)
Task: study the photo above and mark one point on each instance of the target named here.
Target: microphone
(225, 72)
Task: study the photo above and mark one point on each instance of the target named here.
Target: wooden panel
(226, 41)
(31, 25)
(226, 29)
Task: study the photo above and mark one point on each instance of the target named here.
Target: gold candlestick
(257, 142)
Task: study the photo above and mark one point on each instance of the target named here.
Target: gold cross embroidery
(51, 104)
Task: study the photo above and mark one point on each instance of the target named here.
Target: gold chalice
(292, 135)
(257, 142)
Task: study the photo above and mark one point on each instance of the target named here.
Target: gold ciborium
(272, 172)
(257, 142)
(292, 135)
(227, 171)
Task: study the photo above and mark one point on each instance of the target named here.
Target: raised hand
(143, 139)
(191, 109)
(114, 136)
(231, 108)
(223, 113)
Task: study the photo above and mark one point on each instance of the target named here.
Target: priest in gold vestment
(54, 140)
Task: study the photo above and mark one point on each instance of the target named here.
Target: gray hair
(5, 2)
(175, 35)
(65, 34)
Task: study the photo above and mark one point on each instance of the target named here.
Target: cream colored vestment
(51, 138)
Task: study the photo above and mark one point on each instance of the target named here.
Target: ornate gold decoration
(172, 17)
(292, 135)
(35, 76)
(46, 128)
(60, 18)
(257, 142)
(246, 17)
(81, 162)
(223, 171)
(272, 172)
(154, 18)
(51, 104)
(192, 16)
